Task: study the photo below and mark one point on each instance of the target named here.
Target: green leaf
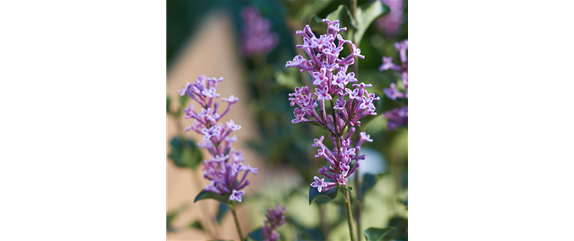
(182, 101)
(326, 196)
(185, 153)
(197, 225)
(256, 235)
(169, 218)
(343, 14)
(311, 8)
(288, 78)
(365, 15)
(369, 182)
(375, 234)
(168, 101)
(210, 195)
(223, 208)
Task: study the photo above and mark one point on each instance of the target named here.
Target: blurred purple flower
(275, 218)
(391, 23)
(257, 37)
(223, 168)
(399, 116)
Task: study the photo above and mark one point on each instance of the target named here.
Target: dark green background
(490, 139)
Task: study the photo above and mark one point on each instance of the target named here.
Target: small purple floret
(236, 195)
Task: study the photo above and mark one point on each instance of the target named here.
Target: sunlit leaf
(377, 234)
(311, 8)
(342, 14)
(365, 15)
(288, 78)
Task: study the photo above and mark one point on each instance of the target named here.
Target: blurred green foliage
(378, 234)
(171, 216)
(184, 153)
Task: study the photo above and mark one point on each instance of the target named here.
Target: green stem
(357, 181)
(204, 209)
(349, 216)
(336, 131)
(232, 208)
(197, 182)
(354, 8)
(358, 213)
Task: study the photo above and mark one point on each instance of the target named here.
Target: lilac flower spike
(224, 166)
(275, 218)
(331, 85)
(399, 116)
(257, 37)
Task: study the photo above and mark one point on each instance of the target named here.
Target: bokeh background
(205, 37)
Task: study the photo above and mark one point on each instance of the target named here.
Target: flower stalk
(347, 197)
(239, 232)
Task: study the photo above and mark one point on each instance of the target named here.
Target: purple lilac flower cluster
(257, 37)
(348, 105)
(399, 116)
(275, 218)
(225, 164)
(391, 23)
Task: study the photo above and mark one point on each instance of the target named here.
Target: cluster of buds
(348, 105)
(257, 37)
(275, 218)
(391, 23)
(399, 116)
(223, 168)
